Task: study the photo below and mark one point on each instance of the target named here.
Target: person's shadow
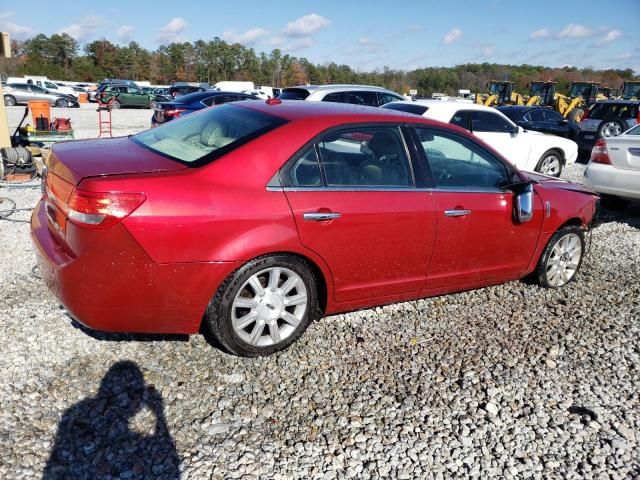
(95, 440)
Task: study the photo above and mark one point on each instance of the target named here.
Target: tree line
(60, 57)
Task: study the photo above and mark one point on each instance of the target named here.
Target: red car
(254, 218)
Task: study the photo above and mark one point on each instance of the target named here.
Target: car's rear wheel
(562, 257)
(114, 104)
(264, 306)
(611, 128)
(550, 164)
(62, 103)
(10, 101)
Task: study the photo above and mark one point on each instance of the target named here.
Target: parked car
(252, 219)
(540, 119)
(175, 91)
(614, 168)
(181, 106)
(117, 96)
(23, 93)
(605, 119)
(532, 151)
(354, 94)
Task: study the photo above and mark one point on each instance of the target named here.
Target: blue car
(166, 111)
(541, 119)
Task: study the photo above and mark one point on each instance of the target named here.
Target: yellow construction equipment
(500, 92)
(631, 90)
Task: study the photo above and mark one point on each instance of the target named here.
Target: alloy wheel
(269, 306)
(551, 165)
(564, 260)
(611, 129)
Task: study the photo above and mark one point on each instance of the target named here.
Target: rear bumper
(107, 282)
(613, 181)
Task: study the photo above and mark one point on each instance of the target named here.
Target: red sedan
(252, 219)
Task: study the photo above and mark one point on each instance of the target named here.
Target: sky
(365, 35)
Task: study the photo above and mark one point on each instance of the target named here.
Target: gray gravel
(511, 381)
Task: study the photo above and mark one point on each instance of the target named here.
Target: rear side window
(293, 94)
(363, 157)
(199, 138)
(536, 116)
(355, 98)
(601, 111)
(416, 109)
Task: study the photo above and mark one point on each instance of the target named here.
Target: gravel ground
(511, 381)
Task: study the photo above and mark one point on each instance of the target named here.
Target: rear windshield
(293, 94)
(199, 138)
(601, 111)
(407, 107)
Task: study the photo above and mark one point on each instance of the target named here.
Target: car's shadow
(629, 215)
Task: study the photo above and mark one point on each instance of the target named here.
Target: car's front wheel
(264, 306)
(550, 164)
(62, 103)
(10, 101)
(561, 258)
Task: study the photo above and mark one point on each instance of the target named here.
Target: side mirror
(524, 204)
(514, 130)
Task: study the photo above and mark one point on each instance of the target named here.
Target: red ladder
(104, 119)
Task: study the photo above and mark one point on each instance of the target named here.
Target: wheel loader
(500, 93)
(631, 90)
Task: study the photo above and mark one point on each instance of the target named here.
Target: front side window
(356, 158)
(482, 121)
(457, 163)
(388, 98)
(201, 137)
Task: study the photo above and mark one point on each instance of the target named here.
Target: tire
(61, 103)
(550, 163)
(611, 127)
(575, 115)
(115, 104)
(611, 202)
(10, 101)
(152, 104)
(266, 323)
(561, 252)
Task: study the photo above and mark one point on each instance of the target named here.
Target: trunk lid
(75, 160)
(624, 151)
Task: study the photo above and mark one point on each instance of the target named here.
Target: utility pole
(5, 52)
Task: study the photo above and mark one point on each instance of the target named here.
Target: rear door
(477, 236)
(355, 203)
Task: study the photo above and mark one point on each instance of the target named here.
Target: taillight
(101, 209)
(174, 112)
(600, 154)
(586, 114)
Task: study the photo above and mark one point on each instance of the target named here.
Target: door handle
(457, 213)
(321, 216)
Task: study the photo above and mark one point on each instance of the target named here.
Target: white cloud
(306, 25)
(172, 30)
(16, 32)
(125, 33)
(542, 33)
(291, 45)
(574, 30)
(83, 29)
(611, 36)
(250, 37)
(452, 36)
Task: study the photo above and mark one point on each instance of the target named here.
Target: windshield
(199, 138)
(580, 90)
(631, 90)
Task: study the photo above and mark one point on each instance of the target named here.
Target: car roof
(195, 96)
(339, 86)
(296, 110)
(443, 110)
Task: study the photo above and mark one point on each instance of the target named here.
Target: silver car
(23, 93)
(354, 94)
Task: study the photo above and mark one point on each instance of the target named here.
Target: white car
(368, 95)
(614, 168)
(532, 151)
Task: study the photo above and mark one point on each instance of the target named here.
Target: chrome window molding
(274, 188)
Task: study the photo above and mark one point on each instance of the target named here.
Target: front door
(478, 237)
(353, 198)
